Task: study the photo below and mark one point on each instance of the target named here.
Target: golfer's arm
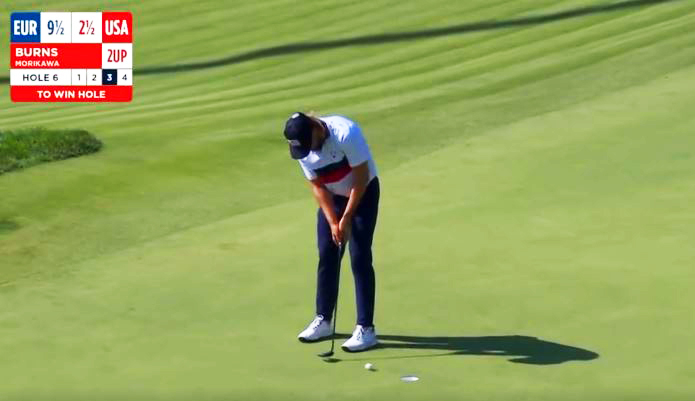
(325, 201)
(359, 185)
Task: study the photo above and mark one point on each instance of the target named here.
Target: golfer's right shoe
(317, 330)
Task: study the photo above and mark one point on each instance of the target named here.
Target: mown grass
(31, 146)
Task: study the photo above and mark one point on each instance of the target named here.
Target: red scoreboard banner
(71, 57)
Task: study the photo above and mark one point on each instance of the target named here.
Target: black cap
(298, 133)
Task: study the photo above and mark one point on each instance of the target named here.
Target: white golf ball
(368, 366)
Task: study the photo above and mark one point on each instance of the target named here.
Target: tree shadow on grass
(519, 349)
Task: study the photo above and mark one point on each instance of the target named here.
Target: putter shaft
(335, 308)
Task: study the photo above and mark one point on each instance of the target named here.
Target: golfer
(336, 160)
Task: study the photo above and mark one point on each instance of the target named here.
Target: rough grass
(31, 146)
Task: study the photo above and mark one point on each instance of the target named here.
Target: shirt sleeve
(310, 175)
(354, 146)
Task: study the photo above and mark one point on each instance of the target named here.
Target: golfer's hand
(344, 228)
(335, 233)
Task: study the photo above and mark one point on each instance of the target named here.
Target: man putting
(335, 158)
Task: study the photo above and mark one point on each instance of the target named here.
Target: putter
(329, 354)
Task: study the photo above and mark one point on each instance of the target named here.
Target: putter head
(326, 354)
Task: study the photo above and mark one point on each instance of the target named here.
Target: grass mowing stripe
(74, 106)
(549, 69)
(250, 100)
(381, 74)
(511, 57)
(502, 82)
(365, 64)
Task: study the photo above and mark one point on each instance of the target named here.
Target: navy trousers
(360, 244)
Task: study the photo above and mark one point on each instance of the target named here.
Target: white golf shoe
(317, 330)
(363, 338)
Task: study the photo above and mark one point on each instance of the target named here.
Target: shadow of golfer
(520, 349)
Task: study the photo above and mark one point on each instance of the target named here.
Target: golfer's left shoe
(363, 338)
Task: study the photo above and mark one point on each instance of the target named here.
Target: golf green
(537, 162)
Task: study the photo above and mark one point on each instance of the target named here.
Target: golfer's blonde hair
(314, 117)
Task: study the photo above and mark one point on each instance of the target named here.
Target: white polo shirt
(344, 148)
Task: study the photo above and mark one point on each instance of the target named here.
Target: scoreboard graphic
(71, 56)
